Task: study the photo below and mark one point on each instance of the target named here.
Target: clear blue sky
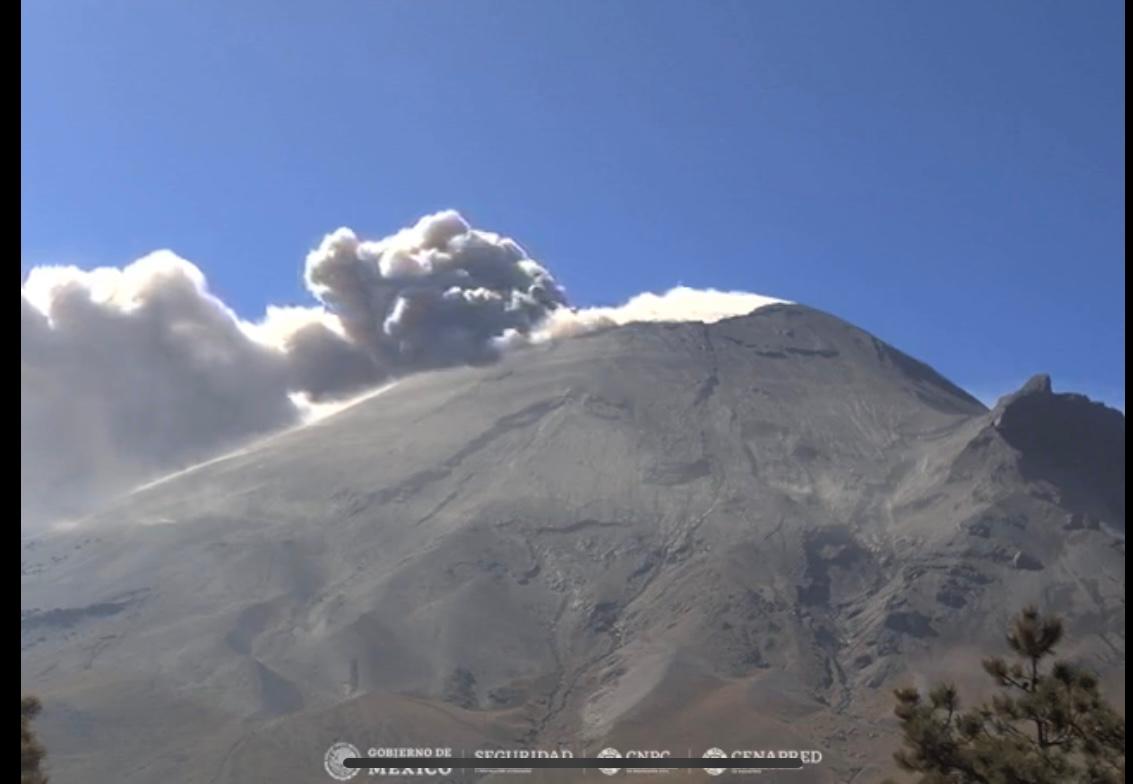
(947, 175)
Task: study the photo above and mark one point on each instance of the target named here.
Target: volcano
(677, 536)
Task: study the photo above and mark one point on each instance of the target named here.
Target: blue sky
(949, 176)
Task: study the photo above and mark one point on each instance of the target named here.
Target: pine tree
(1046, 726)
(31, 750)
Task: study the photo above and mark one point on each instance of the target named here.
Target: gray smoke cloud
(433, 294)
(127, 373)
(122, 372)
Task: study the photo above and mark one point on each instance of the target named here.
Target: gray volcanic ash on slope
(656, 536)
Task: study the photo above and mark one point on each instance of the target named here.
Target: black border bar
(543, 763)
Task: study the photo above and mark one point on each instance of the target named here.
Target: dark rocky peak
(1068, 440)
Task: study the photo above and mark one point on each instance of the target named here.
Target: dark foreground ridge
(741, 535)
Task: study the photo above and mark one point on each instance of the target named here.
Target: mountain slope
(664, 536)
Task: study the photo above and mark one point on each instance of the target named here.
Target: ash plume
(130, 372)
(433, 294)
